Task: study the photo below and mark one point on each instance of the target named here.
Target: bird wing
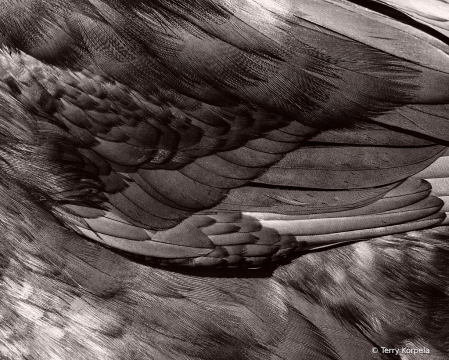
(86, 132)
(202, 136)
(431, 13)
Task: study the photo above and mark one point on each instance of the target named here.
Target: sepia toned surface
(224, 179)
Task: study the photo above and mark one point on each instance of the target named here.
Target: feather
(223, 179)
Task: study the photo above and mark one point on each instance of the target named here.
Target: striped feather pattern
(223, 179)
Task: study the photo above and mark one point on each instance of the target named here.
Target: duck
(224, 179)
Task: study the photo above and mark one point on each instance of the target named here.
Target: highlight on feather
(218, 179)
(165, 154)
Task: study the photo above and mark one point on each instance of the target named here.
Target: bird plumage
(213, 135)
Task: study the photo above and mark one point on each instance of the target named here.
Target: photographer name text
(403, 350)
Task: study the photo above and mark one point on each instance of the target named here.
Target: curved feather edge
(242, 239)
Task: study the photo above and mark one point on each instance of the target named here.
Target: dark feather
(224, 179)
